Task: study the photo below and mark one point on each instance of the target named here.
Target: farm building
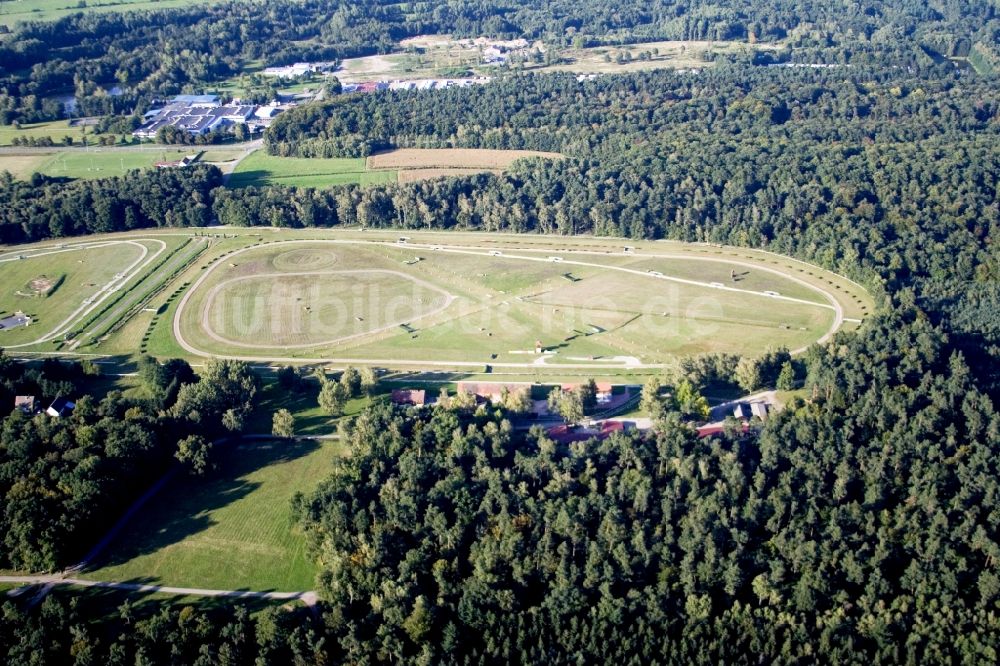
(60, 407)
(413, 397)
(746, 411)
(298, 69)
(177, 164)
(603, 394)
(195, 114)
(26, 404)
(15, 320)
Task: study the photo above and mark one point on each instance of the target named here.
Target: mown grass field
(592, 316)
(22, 166)
(260, 169)
(83, 271)
(405, 165)
(55, 130)
(106, 162)
(232, 530)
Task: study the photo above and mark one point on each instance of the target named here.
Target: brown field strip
(451, 158)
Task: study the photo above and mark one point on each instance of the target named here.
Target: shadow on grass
(184, 507)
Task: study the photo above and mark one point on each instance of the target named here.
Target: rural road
(832, 304)
(58, 579)
(230, 167)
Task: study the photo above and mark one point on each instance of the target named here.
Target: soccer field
(260, 169)
(232, 530)
(107, 162)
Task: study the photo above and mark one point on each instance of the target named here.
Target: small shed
(60, 407)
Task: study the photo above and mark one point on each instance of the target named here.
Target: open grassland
(586, 308)
(22, 166)
(260, 169)
(646, 56)
(106, 162)
(13, 11)
(430, 56)
(233, 530)
(601, 310)
(309, 308)
(55, 130)
(411, 164)
(84, 271)
(452, 158)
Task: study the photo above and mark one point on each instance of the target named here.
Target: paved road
(230, 167)
(833, 304)
(141, 148)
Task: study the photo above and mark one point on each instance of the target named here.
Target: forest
(850, 531)
(860, 525)
(47, 207)
(143, 56)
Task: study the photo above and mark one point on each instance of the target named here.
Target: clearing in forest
(452, 158)
(233, 529)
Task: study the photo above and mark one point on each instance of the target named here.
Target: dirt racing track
(98, 298)
(570, 259)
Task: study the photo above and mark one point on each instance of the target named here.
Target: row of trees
(66, 631)
(51, 208)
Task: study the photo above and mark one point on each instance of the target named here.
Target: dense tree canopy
(850, 530)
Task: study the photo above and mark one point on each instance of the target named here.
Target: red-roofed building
(414, 397)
